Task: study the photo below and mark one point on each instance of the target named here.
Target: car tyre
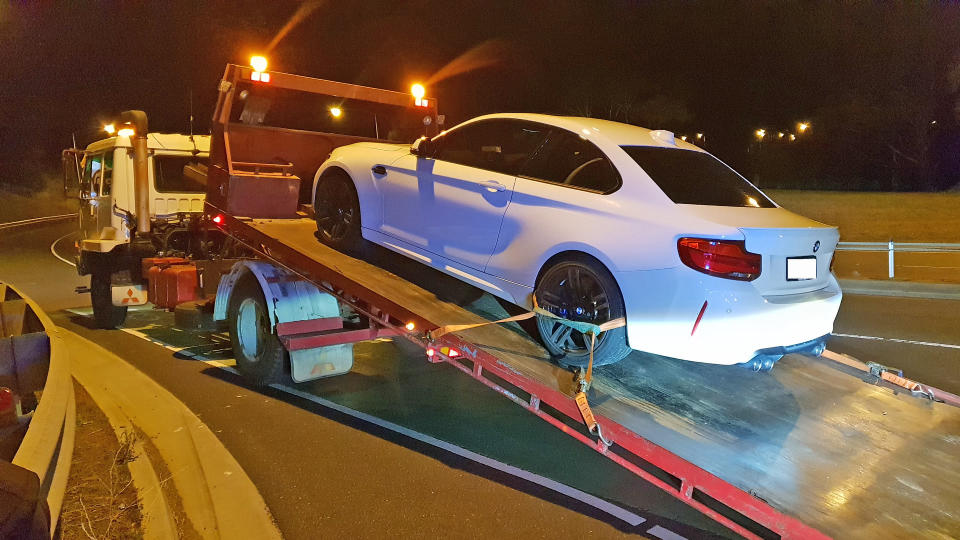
(260, 355)
(105, 314)
(337, 211)
(580, 288)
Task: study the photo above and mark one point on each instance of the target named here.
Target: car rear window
(690, 177)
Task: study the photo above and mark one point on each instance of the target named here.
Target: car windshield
(690, 177)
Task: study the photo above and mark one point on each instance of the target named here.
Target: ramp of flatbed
(817, 443)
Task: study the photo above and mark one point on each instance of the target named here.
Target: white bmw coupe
(598, 220)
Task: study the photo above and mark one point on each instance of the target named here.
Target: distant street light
(109, 128)
(803, 126)
(683, 137)
(793, 137)
(336, 112)
(779, 134)
(699, 135)
(760, 133)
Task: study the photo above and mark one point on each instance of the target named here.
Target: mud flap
(310, 364)
(129, 295)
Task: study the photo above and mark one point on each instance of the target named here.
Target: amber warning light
(259, 65)
(418, 92)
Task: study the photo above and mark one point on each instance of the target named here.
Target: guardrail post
(890, 257)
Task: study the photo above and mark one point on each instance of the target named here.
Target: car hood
(382, 147)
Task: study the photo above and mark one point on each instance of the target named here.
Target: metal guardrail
(892, 247)
(34, 221)
(47, 446)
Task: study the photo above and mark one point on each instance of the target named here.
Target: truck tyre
(105, 314)
(579, 288)
(337, 211)
(260, 356)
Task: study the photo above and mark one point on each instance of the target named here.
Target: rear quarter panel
(545, 219)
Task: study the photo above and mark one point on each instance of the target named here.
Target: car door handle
(493, 185)
(379, 169)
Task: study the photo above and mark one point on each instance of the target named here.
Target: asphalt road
(324, 473)
(319, 469)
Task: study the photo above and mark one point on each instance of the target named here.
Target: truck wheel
(580, 289)
(105, 314)
(337, 211)
(260, 356)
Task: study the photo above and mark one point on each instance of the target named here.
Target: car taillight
(722, 258)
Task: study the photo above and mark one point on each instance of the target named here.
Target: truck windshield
(179, 174)
(690, 177)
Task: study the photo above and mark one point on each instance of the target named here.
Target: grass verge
(878, 217)
(101, 500)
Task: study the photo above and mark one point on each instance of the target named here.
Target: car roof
(616, 133)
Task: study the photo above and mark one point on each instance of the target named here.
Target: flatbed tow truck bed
(810, 449)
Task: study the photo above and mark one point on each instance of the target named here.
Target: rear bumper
(737, 323)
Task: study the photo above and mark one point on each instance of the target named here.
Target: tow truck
(819, 447)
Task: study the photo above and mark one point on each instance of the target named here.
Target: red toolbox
(263, 195)
(177, 284)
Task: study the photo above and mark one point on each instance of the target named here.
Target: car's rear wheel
(337, 211)
(579, 288)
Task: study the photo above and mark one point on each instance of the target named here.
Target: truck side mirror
(423, 147)
(72, 172)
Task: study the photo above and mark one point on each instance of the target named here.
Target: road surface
(320, 467)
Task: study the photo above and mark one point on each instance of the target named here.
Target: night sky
(868, 75)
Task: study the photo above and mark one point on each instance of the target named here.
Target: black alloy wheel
(580, 289)
(337, 211)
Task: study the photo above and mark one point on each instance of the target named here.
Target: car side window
(570, 160)
(497, 145)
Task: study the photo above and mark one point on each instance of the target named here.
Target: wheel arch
(558, 254)
(366, 190)
(288, 297)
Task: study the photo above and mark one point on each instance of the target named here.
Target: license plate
(801, 268)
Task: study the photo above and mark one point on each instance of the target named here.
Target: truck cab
(102, 177)
(106, 186)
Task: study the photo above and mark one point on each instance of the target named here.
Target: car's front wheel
(337, 211)
(580, 289)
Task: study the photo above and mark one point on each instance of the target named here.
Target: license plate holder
(802, 268)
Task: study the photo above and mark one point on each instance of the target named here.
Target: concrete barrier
(33, 358)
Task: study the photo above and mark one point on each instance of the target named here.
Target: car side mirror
(72, 172)
(423, 147)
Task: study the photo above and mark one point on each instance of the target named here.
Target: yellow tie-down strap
(585, 328)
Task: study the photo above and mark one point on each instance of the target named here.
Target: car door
(560, 196)
(452, 204)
